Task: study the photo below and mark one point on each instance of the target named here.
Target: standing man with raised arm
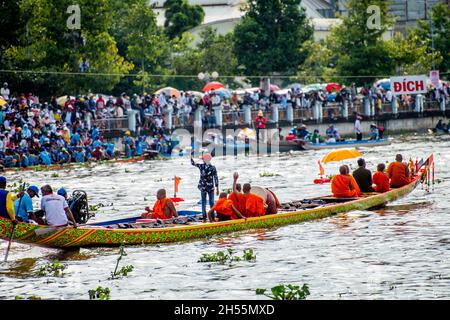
(208, 180)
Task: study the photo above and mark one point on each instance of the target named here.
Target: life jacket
(3, 211)
(158, 209)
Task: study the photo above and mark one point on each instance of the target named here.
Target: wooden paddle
(14, 227)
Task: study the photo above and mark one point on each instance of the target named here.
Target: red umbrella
(333, 87)
(212, 86)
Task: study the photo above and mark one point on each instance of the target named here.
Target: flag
(177, 182)
(322, 170)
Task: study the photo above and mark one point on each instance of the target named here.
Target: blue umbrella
(331, 96)
(384, 83)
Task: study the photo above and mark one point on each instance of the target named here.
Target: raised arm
(235, 190)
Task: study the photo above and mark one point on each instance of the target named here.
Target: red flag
(322, 170)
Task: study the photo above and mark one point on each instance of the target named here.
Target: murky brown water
(398, 252)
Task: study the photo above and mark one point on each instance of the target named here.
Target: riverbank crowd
(59, 130)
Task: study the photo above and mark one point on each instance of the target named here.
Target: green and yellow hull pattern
(88, 236)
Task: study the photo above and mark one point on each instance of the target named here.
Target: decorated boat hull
(100, 235)
(345, 144)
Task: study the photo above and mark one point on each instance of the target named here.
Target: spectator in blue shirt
(26, 204)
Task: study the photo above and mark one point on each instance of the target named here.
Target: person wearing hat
(26, 205)
(128, 143)
(57, 211)
(6, 202)
(260, 124)
(374, 133)
(208, 180)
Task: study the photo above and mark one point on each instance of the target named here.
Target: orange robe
(237, 201)
(398, 173)
(223, 209)
(254, 205)
(345, 186)
(158, 209)
(381, 181)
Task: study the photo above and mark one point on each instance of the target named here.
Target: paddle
(13, 227)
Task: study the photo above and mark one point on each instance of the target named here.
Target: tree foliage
(270, 35)
(181, 16)
(213, 53)
(436, 34)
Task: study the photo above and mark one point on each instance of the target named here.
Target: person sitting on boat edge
(225, 210)
(398, 172)
(381, 179)
(163, 207)
(237, 198)
(344, 185)
(57, 211)
(363, 176)
(6, 202)
(252, 205)
(374, 132)
(26, 205)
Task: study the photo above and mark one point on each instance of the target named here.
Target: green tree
(143, 43)
(181, 16)
(436, 34)
(270, 36)
(358, 45)
(410, 55)
(49, 48)
(319, 63)
(213, 53)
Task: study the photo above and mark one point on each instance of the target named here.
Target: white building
(223, 15)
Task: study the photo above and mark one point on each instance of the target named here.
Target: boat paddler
(398, 172)
(252, 205)
(225, 209)
(163, 207)
(6, 202)
(344, 185)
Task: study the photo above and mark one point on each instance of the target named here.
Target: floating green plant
(229, 256)
(54, 269)
(268, 174)
(286, 292)
(123, 272)
(100, 293)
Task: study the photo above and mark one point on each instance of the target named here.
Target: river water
(399, 252)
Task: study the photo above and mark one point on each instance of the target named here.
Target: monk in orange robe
(251, 204)
(381, 179)
(163, 207)
(398, 172)
(237, 199)
(344, 185)
(225, 210)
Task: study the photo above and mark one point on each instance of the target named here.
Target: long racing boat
(307, 145)
(132, 231)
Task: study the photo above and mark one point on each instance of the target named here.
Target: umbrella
(384, 83)
(333, 87)
(223, 92)
(2, 101)
(341, 154)
(273, 87)
(312, 87)
(195, 93)
(61, 101)
(331, 97)
(251, 134)
(169, 91)
(213, 86)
